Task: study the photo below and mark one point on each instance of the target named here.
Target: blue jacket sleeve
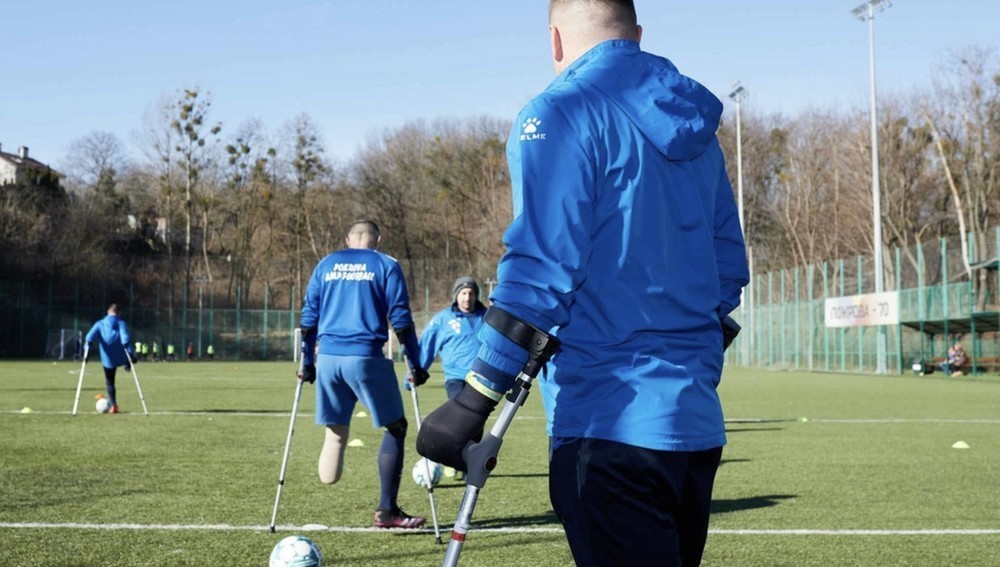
(126, 338)
(730, 249)
(310, 319)
(429, 346)
(92, 333)
(398, 299)
(554, 182)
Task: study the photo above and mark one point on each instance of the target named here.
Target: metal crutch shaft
(481, 459)
(427, 472)
(288, 447)
(79, 383)
(131, 364)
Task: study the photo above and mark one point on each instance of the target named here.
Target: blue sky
(358, 67)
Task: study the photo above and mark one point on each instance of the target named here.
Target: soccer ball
(420, 472)
(103, 405)
(296, 551)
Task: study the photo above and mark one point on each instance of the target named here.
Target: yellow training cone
(960, 445)
(25, 410)
(356, 443)
(361, 414)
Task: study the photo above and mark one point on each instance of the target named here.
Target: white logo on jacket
(529, 129)
(456, 326)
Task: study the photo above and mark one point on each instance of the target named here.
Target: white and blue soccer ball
(103, 405)
(420, 472)
(296, 551)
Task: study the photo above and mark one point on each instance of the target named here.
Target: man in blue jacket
(625, 244)
(114, 340)
(452, 333)
(350, 296)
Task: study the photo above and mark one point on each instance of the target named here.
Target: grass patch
(806, 452)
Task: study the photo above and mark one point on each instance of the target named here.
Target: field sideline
(821, 469)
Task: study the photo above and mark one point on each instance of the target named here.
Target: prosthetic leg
(481, 458)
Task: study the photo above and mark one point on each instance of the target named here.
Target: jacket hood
(676, 113)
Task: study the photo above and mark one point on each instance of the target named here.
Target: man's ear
(555, 42)
(638, 34)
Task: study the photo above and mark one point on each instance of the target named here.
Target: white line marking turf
(735, 420)
(349, 529)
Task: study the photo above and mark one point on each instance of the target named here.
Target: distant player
(114, 339)
(350, 296)
(452, 334)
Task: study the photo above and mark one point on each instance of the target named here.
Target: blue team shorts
(342, 381)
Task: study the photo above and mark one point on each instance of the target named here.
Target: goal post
(64, 344)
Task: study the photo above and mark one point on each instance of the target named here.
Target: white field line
(735, 420)
(349, 529)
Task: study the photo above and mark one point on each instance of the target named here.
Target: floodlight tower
(865, 12)
(738, 94)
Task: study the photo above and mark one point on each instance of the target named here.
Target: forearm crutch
(288, 447)
(131, 364)
(427, 473)
(79, 383)
(481, 458)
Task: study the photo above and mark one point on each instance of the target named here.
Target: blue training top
(453, 335)
(350, 296)
(626, 241)
(113, 337)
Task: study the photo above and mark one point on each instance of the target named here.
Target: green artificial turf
(194, 482)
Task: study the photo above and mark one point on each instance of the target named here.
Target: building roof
(17, 160)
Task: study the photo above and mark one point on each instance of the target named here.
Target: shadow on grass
(746, 429)
(437, 551)
(728, 461)
(224, 411)
(547, 519)
(752, 503)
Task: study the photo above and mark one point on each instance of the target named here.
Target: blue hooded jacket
(626, 242)
(113, 337)
(350, 295)
(454, 335)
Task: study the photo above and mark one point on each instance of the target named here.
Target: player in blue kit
(453, 333)
(626, 246)
(114, 340)
(350, 296)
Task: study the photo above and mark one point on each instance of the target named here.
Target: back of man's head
(610, 19)
(113, 309)
(364, 234)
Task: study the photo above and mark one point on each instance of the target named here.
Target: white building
(19, 168)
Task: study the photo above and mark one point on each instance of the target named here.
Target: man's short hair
(620, 14)
(113, 308)
(365, 226)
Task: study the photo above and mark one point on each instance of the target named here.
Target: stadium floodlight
(865, 12)
(738, 94)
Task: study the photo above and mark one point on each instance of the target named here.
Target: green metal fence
(782, 315)
(939, 302)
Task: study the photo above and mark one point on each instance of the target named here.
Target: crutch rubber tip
(272, 529)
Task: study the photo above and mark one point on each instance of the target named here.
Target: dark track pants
(625, 505)
(109, 383)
